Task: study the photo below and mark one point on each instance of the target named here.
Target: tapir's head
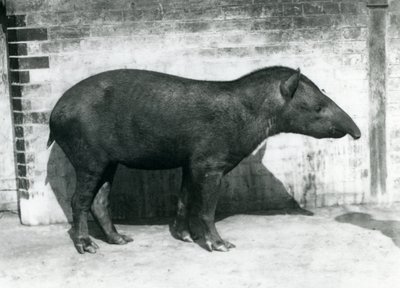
(308, 111)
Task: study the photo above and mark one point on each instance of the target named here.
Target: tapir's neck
(260, 95)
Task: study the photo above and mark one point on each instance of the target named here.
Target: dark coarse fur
(150, 120)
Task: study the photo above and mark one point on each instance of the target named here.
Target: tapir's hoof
(119, 239)
(229, 244)
(221, 246)
(184, 236)
(85, 245)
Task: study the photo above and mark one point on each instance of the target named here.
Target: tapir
(150, 120)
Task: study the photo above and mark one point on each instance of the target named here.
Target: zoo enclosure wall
(54, 44)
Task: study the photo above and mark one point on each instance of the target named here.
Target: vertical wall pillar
(8, 186)
(377, 97)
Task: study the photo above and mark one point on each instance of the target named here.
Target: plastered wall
(8, 186)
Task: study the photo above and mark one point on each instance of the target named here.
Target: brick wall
(57, 43)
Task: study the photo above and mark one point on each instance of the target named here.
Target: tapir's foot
(119, 239)
(218, 245)
(207, 236)
(85, 244)
(181, 230)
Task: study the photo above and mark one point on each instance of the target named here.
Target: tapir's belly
(152, 162)
(145, 154)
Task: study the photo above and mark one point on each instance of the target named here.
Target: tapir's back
(135, 113)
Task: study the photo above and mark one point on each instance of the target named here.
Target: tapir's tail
(50, 141)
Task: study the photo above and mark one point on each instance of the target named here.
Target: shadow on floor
(96, 232)
(389, 228)
(142, 197)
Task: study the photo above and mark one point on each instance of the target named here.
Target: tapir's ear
(289, 86)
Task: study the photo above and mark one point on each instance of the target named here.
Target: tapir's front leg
(202, 204)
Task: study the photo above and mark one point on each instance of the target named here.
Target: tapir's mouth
(338, 133)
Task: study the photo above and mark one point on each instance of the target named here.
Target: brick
(19, 131)
(271, 1)
(232, 2)
(152, 15)
(28, 130)
(86, 17)
(252, 11)
(68, 32)
(29, 34)
(29, 63)
(272, 23)
(36, 117)
(231, 25)
(23, 6)
(313, 34)
(193, 27)
(21, 158)
(313, 21)
(349, 8)
(19, 77)
(23, 183)
(21, 170)
(19, 49)
(353, 59)
(20, 145)
(44, 19)
(357, 20)
(30, 90)
(321, 8)
(227, 51)
(354, 33)
(26, 104)
(111, 4)
(206, 13)
(16, 21)
(292, 9)
(17, 106)
(18, 117)
(305, 1)
(74, 18)
(270, 50)
(16, 91)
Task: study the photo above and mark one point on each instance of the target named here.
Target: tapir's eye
(318, 108)
(304, 106)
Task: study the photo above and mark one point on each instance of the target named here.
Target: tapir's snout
(346, 125)
(355, 133)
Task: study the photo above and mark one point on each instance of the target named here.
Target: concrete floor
(353, 247)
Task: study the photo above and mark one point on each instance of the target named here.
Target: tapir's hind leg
(101, 210)
(181, 224)
(86, 186)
